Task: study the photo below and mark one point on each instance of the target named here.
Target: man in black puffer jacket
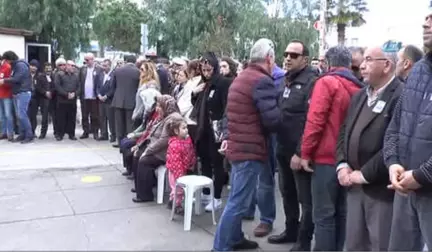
(21, 89)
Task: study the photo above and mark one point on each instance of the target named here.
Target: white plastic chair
(192, 185)
(160, 174)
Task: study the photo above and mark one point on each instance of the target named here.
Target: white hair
(60, 61)
(89, 55)
(261, 49)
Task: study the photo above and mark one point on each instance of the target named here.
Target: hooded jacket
(159, 135)
(209, 105)
(21, 77)
(331, 97)
(278, 75)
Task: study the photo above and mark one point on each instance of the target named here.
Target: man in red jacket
(329, 103)
(6, 104)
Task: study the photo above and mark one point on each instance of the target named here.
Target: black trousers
(66, 115)
(90, 115)
(145, 178)
(303, 181)
(106, 116)
(52, 110)
(211, 164)
(39, 103)
(288, 191)
(123, 122)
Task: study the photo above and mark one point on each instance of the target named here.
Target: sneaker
(205, 199)
(217, 205)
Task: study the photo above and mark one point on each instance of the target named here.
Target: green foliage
(345, 13)
(118, 24)
(66, 22)
(228, 27)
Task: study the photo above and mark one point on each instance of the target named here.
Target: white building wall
(12, 43)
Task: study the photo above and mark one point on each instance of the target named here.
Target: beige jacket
(184, 99)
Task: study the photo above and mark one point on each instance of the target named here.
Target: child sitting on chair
(180, 158)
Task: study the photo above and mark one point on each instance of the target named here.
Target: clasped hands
(348, 177)
(402, 181)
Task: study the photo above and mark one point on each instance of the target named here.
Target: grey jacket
(125, 82)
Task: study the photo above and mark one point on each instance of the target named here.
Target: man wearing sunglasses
(293, 97)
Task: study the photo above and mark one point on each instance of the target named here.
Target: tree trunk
(341, 33)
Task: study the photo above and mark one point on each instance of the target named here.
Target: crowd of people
(348, 133)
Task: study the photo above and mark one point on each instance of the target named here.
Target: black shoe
(112, 139)
(84, 136)
(27, 140)
(18, 140)
(73, 138)
(127, 173)
(2, 137)
(179, 210)
(133, 190)
(59, 138)
(301, 247)
(102, 138)
(282, 238)
(138, 200)
(130, 177)
(245, 244)
(116, 146)
(95, 136)
(10, 138)
(42, 136)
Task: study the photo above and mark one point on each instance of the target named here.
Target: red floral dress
(180, 156)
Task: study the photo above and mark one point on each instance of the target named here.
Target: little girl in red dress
(180, 158)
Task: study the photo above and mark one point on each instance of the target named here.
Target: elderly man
(106, 112)
(253, 94)
(91, 77)
(328, 107)
(124, 83)
(408, 155)
(361, 163)
(357, 60)
(407, 57)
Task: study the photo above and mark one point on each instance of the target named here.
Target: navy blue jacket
(408, 139)
(20, 79)
(104, 88)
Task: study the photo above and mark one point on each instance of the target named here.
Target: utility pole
(323, 27)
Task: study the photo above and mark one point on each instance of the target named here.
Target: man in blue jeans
(252, 114)
(21, 88)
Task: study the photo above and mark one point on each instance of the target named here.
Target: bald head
(89, 59)
(378, 66)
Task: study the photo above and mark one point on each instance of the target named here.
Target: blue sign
(392, 46)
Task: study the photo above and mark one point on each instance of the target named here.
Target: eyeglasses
(369, 59)
(292, 55)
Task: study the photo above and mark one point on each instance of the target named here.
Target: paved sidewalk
(71, 196)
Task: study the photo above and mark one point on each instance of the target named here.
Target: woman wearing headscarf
(154, 154)
(209, 99)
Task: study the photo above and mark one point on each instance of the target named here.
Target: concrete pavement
(71, 196)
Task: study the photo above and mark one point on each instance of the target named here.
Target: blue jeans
(21, 102)
(243, 188)
(329, 209)
(6, 117)
(265, 197)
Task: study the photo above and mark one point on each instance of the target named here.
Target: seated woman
(137, 139)
(154, 154)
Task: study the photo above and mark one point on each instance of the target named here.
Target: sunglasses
(292, 55)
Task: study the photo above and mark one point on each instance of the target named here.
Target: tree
(118, 24)
(63, 24)
(345, 13)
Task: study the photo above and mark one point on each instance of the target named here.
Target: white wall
(12, 43)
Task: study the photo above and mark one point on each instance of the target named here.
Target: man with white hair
(251, 105)
(91, 77)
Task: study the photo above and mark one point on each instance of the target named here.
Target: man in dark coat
(360, 160)
(408, 156)
(125, 81)
(91, 77)
(252, 114)
(105, 109)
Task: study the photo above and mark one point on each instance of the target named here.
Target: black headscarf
(211, 59)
